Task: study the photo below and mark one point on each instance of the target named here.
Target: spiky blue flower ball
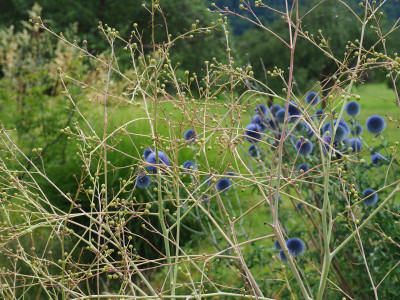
(353, 108)
(376, 158)
(253, 133)
(189, 165)
(300, 126)
(262, 110)
(147, 152)
(356, 144)
(375, 124)
(152, 159)
(143, 181)
(253, 151)
(312, 97)
(260, 121)
(282, 256)
(295, 246)
(303, 167)
(304, 147)
(341, 133)
(319, 113)
(280, 116)
(272, 124)
(190, 135)
(274, 109)
(370, 199)
(277, 246)
(293, 109)
(223, 184)
(357, 130)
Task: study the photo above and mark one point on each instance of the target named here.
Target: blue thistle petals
(253, 151)
(370, 199)
(257, 119)
(295, 246)
(274, 109)
(319, 113)
(341, 133)
(143, 181)
(376, 158)
(303, 167)
(357, 130)
(353, 108)
(280, 116)
(152, 159)
(375, 124)
(282, 256)
(262, 110)
(312, 97)
(224, 184)
(190, 135)
(277, 245)
(252, 133)
(190, 165)
(356, 144)
(147, 152)
(293, 110)
(304, 147)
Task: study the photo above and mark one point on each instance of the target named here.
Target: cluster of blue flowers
(295, 246)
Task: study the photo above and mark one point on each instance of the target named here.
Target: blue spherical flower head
(357, 130)
(274, 109)
(319, 113)
(295, 246)
(304, 147)
(147, 152)
(253, 133)
(376, 158)
(152, 159)
(253, 151)
(356, 144)
(272, 124)
(282, 256)
(280, 116)
(312, 97)
(303, 167)
(223, 185)
(257, 119)
(262, 110)
(375, 124)
(353, 108)
(190, 135)
(341, 133)
(370, 199)
(142, 181)
(190, 165)
(277, 245)
(294, 112)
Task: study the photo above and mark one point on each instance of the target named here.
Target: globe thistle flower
(327, 126)
(327, 142)
(356, 144)
(277, 245)
(319, 113)
(293, 110)
(295, 246)
(262, 110)
(304, 147)
(271, 124)
(357, 130)
(253, 151)
(147, 152)
(152, 159)
(341, 133)
(353, 108)
(190, 135)
(282, 256)
(142, 181)
(223, 184)
(370, 197)
(257, 119)
(274, 109)
(300, 126)
(375, 124)
(303, 167)
(189, 165)
(312, 97)
(376, 158)
(299, 206)
(280, 116)
(253, 133)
